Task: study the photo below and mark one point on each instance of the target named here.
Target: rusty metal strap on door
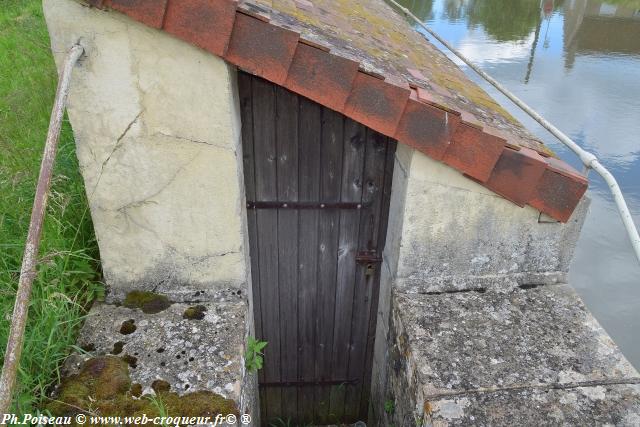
(306, 205)
(309, 383)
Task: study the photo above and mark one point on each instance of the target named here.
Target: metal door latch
(369, 259)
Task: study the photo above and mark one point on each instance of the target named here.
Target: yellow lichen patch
(148, 302)
(388, 40)
(103, 387)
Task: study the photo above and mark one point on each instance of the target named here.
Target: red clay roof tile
(426, 128)
(261, 49)
(376, 103)
(473, 152)
(149, 12)
(517, 174)
(322, 77)
(557, 195)
(203, 23)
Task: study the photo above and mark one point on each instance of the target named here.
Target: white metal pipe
(30, 257)
(588, 159)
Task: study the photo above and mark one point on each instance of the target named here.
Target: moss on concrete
(148, 302)
(132, 361)
(117, 347)
(128, 327)
(160, 386)
(194, 313)
(103, 387)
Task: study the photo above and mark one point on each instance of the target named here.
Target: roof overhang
(391, 80)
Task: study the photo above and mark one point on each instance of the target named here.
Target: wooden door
(318, 187)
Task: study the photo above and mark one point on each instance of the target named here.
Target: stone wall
(455, 234)
(157, 130)
(475, 323)
(446, 233)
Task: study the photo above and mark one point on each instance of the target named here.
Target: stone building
(318, 175)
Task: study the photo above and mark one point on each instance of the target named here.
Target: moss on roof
(372, 33)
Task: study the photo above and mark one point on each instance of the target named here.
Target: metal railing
(589, 160)
(30, 257)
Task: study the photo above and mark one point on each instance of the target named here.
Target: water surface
(578, 63)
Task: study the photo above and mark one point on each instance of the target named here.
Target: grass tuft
(68, 276)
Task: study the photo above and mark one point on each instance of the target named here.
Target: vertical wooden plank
(368, 240)
(351, 191)
(308, 191)
(246, 114)
(287, 188)
(267, 225)
(373, 316)
(330, 180)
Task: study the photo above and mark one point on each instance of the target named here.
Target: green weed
(157, 402)
(253, 357)
(389, 407)
(68, 271)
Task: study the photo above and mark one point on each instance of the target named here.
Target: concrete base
(191, 354)
(526, 357)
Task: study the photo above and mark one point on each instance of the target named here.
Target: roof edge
(398, 109)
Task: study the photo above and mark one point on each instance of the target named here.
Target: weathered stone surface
(157, 130)
(191, 355)
(483, 354)
(526, 337)
(581, 406)
(451, 233)
(448, 233)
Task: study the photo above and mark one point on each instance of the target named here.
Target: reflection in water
(420, 8)
(593, 27)
(502, 20)
(578, 63)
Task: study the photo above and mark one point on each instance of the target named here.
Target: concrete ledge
(193, 347)
(581, 406)
(491, 347)
(495, 282)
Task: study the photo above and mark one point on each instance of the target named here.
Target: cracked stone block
(191, 353)
(453, 344)
(158, 142)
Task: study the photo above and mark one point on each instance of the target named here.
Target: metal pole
(29, 259)
(588, 159)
